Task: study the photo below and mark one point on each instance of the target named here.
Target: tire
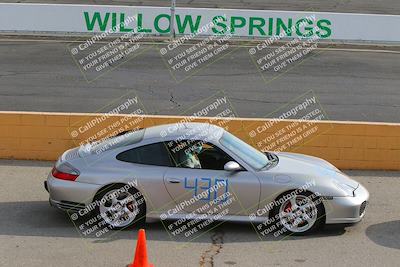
(120, 208)
(307, 216)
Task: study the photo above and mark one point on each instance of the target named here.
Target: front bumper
(70, 195)
(347, 209)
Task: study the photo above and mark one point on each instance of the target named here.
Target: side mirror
(232, 166)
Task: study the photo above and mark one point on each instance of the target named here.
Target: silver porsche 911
(169, 171)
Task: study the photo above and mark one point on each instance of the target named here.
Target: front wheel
(300, 213)
(120, 208)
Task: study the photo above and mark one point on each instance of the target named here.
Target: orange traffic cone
(141, 252)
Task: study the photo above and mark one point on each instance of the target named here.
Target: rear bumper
(69, 194)
(347, 209)
(66, 205)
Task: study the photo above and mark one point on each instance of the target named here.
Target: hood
(293, 163)
(308, 160)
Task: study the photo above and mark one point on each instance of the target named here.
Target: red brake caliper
(288, 207)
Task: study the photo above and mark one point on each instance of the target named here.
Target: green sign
(191, 24)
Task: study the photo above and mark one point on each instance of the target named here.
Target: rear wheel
(121, 208)
(300, 213)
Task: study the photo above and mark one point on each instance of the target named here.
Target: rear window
(153, 154)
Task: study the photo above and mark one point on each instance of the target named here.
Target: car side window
(152, 154)
(196, 154)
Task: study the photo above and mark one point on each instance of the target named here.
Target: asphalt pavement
(356, 85)
(34, 234)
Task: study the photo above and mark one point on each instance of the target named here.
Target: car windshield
(126, 139)
(249, 154)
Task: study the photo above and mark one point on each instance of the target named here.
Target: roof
(191, 130)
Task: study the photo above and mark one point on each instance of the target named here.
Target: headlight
(344, 187)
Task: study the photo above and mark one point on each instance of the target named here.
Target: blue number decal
(207, 188)
(191, 187)
(217, 182)
(217, 187)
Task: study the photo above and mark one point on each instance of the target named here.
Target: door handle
(174, 181)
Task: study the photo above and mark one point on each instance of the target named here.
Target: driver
(189, 158)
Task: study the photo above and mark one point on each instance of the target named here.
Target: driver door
(207, 186)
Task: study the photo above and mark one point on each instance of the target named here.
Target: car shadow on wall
(385, 234)
(37, 218)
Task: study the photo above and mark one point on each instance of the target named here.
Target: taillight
(65, 172)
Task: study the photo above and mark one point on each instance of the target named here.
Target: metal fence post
(172, 19)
